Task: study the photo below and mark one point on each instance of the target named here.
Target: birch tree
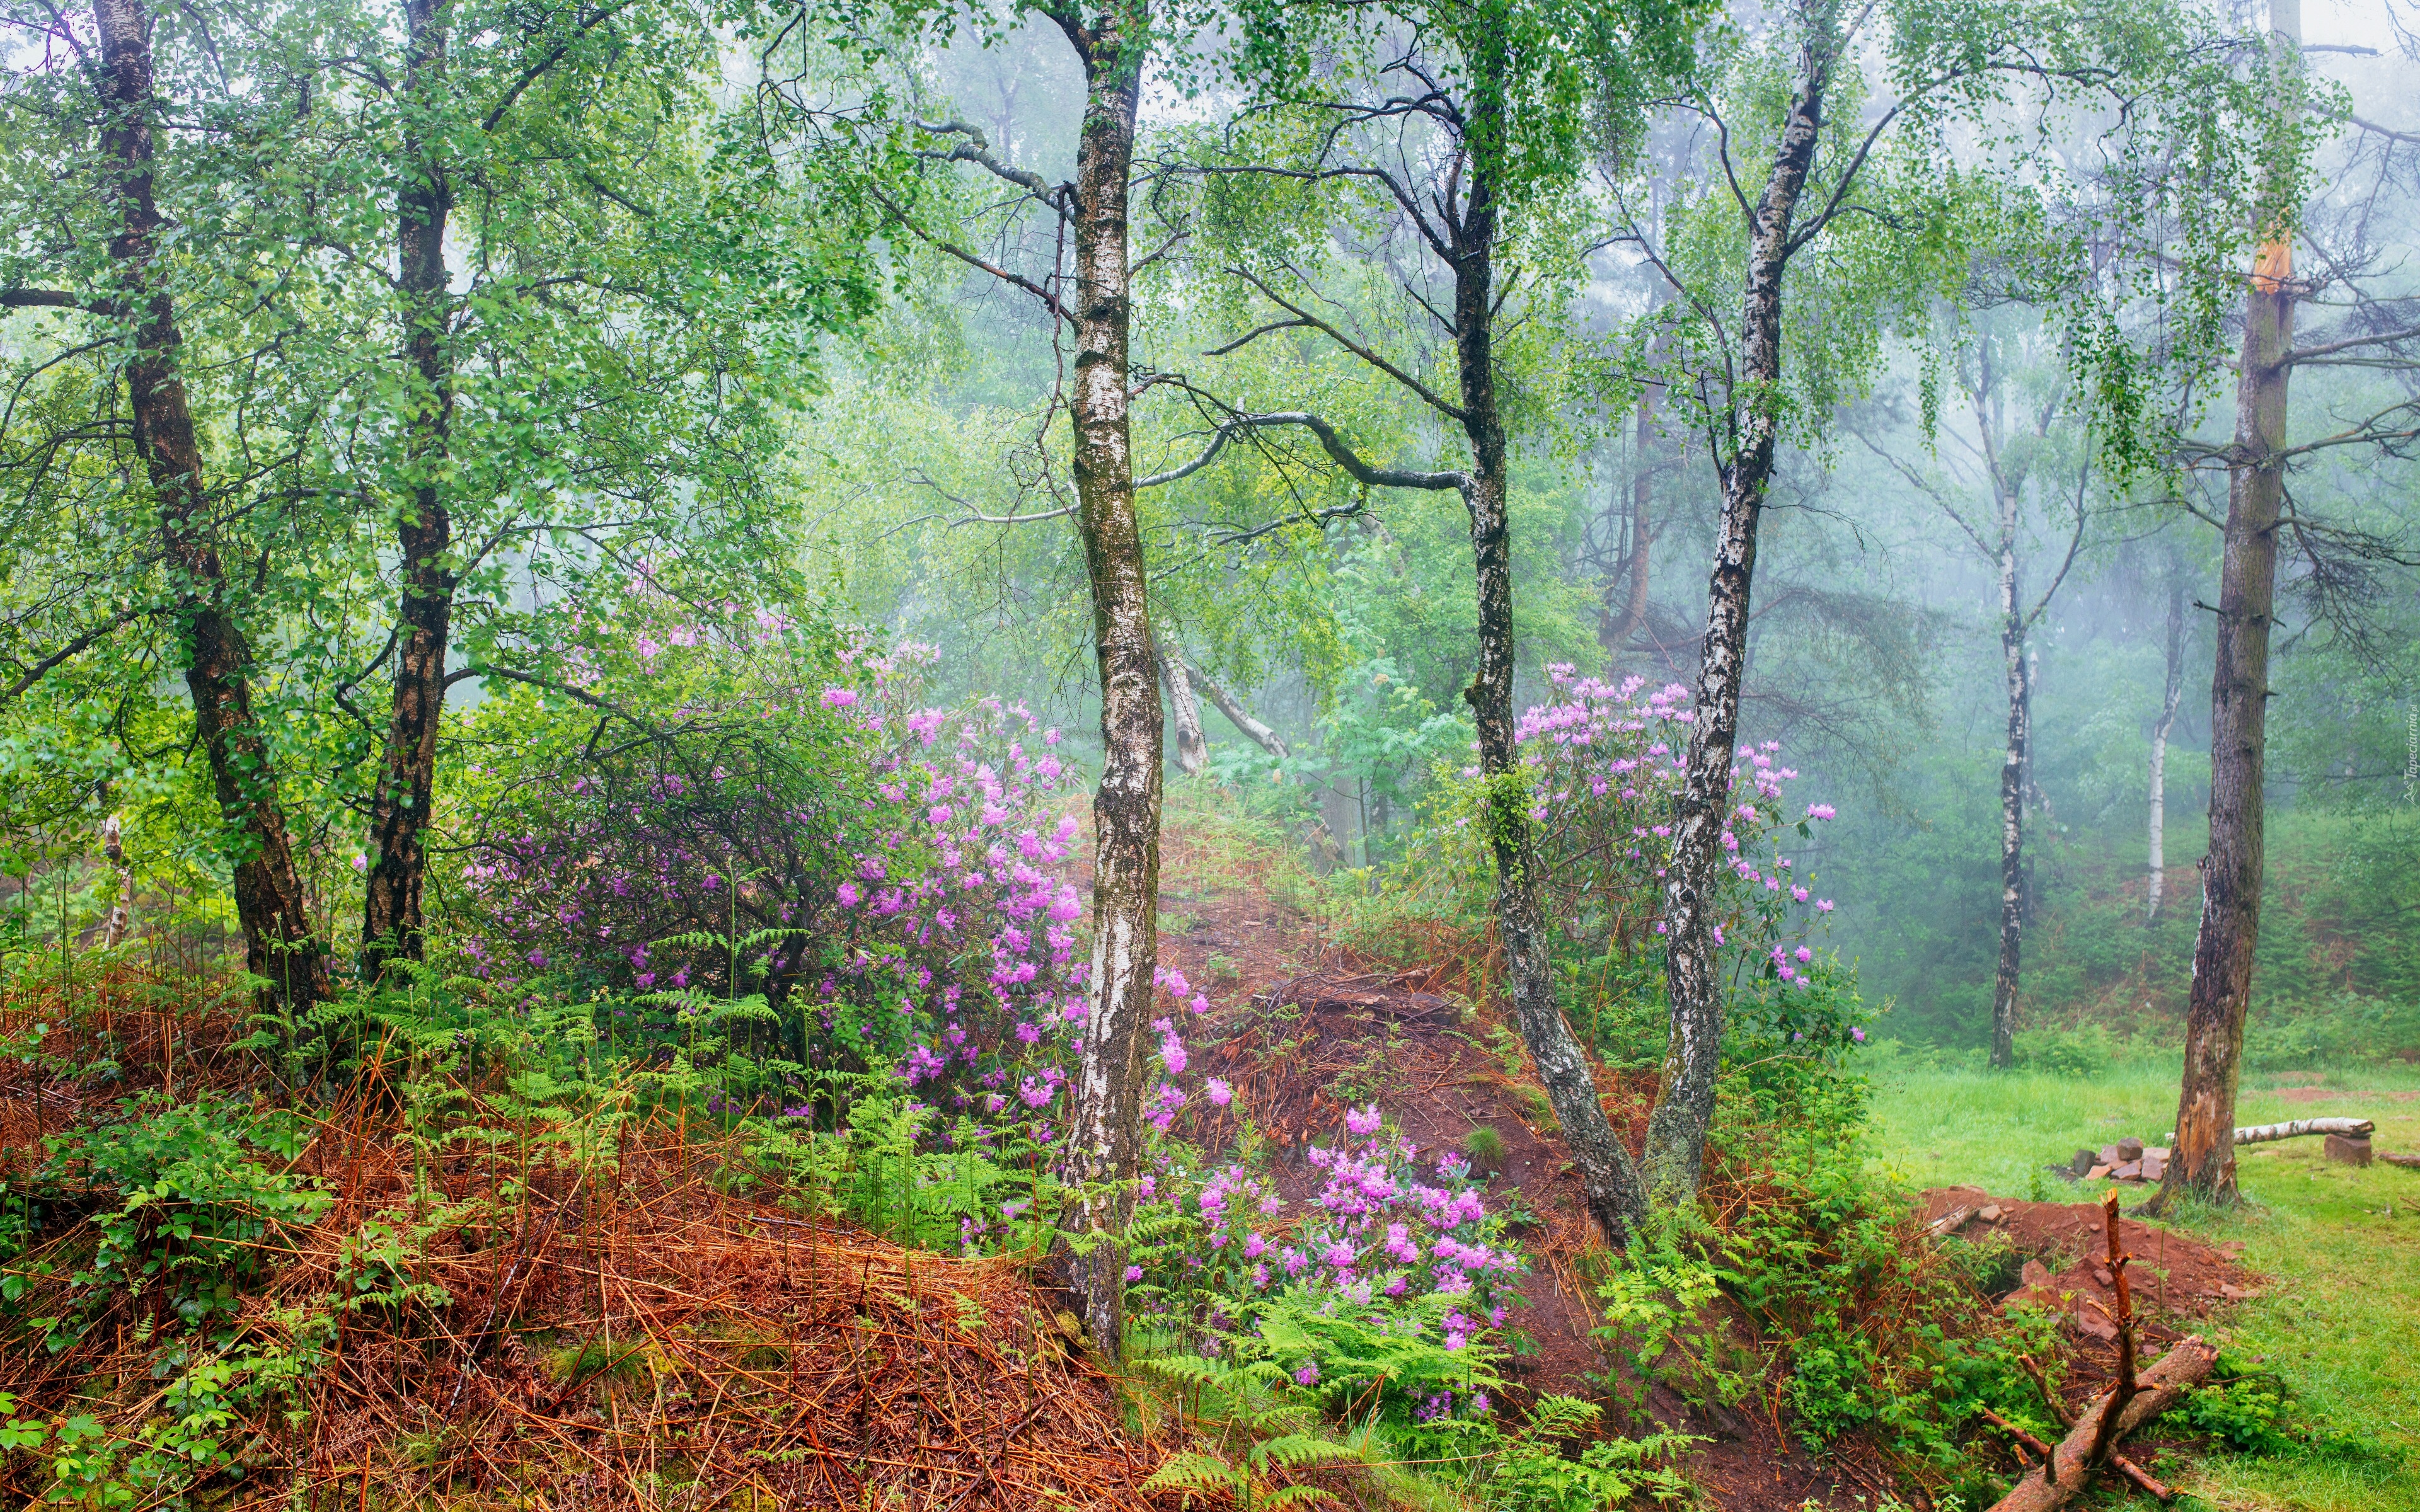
(1453, 133)
(2009, 460)
(1070, 253)
(1880, 208)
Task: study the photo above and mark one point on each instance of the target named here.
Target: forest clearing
(1408, 755)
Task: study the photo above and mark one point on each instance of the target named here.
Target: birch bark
(1192, 746)
(1105, 1138)
(1684, 1106)
(2172, 693)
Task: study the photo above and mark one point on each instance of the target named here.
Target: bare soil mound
(2177, 1281)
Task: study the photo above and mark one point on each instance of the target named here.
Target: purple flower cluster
(1384, 1225)
(1607, 765)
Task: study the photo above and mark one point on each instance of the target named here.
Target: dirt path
(1303, 1031)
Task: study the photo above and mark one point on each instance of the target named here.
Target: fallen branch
(2164, 1384)
(2130, 1401)
(2411, 1161)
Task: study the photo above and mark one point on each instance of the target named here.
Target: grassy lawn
(2341, 1324)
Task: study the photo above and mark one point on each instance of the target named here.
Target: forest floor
(2336, 1309)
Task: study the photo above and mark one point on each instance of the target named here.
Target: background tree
(2008, 459)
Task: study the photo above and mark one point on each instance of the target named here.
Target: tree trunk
(2203, 1160)
(1676, 1132)
(279, 946)
(1192, 747)
(392, 920)
(121, 911)
(1241, 718)
(2172, 692)
(2012, 795)
(1614, 629)
(1607, 1176)
(1105, 1139)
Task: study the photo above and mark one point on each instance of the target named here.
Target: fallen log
(2411, 1161)
(2131, 1400)
(2260, 1133)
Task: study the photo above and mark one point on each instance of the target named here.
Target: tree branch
(1333, 445)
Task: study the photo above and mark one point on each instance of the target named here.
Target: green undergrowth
(2327, 1418)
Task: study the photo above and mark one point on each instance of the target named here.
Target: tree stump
(2349, 1150)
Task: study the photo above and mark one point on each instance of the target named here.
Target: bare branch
(1343, 456)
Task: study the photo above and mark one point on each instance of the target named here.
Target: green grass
(2342, 1321)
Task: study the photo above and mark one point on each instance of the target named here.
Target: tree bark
(2203, 1160)
(121, 911)
(1684, 1106)
(1192, 747)
(1105, 1138)
(2172, 692)
(393, 923)
(1607, 1176)
(279, 946)
(2012, 792)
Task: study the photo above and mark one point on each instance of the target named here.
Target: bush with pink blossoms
(1393, 1280)
(765, 836)
(1601, 769)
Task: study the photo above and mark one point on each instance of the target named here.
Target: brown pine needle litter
(616, 1328)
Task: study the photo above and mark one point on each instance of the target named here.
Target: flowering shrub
(777, 842)
(1604, 764)
(1393, 1282)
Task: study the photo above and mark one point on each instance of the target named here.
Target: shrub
(198, 1211)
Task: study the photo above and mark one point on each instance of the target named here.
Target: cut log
(1950, 1222)
(2044, 1489)
(2411, 1161)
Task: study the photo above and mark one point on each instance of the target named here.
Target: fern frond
(1191, 1472)
(1297, 1450)
(1557, 1417)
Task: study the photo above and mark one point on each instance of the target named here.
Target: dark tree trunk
(1105, 1140)
(1608, 1176)
(392, 919)
(279, 945)
(2172, 693)
(1676, 1132)
(2203, 1160)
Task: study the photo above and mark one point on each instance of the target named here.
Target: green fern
(1249, 1405)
